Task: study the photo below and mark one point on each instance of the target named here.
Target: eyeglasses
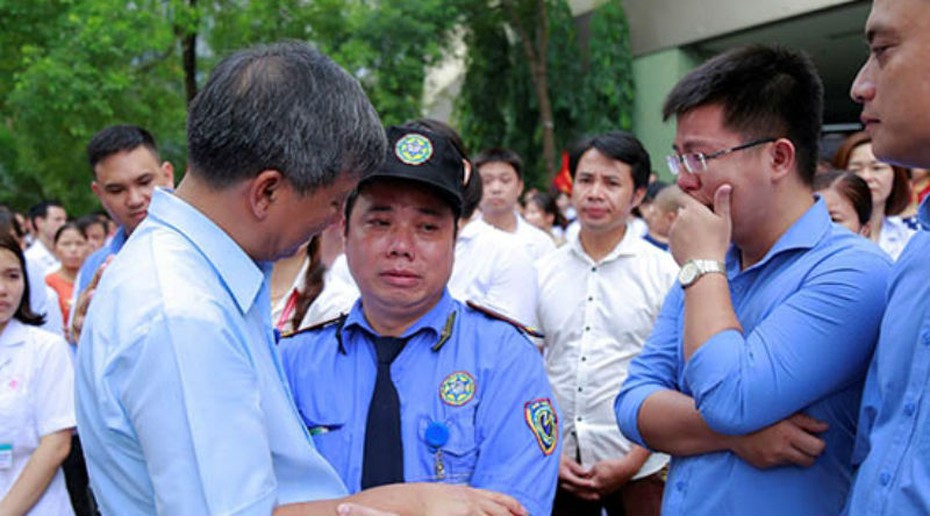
(696, 162)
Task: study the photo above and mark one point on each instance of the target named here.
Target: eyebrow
(877, 29)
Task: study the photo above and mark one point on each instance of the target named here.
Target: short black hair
(502, 155)
(24, 313)
(66, 226)
(85, 222)
(119, 138)
(765, 91)
(40, 210)
(619, 146)
(285, 107)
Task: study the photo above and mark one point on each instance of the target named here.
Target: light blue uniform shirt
(810, 311)
(492, 443)
(183, 408)
(893, 444)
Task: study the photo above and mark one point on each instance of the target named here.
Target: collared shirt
(893, 444)
(42, 257)
(493, 270)
(96, 259)
(182, 405)
(894, 236)
(492, 417)
(596, 317)
(36, 399)
(810, 312)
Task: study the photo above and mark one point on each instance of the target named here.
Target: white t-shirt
(596, 317)
(538, 243)
(36, 399)
(494, 270)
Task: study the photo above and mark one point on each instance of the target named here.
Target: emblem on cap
(457, 389)
(544, 423)
(413, 149)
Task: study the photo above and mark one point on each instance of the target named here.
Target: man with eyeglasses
(752, 375)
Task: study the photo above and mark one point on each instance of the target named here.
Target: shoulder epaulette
(532, 332)
(339, 319)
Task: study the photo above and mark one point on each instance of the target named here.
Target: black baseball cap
(425, 157)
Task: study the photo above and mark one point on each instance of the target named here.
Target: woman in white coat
(36, 399)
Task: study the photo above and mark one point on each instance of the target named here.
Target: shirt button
(680, 485)
(580, 389)
(590, 298)
(909, 409)
(584, 359)
(593, 269)
(587, 328)
(884, 478)
(578, 419)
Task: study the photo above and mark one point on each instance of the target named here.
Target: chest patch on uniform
(544, 423)
(457, 389)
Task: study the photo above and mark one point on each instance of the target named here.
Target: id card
(6, 456)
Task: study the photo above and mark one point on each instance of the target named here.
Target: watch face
(688, 273)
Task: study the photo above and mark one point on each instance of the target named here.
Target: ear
(782, 158)
(263, 191)
(865, 230)
(167, 170)
(638, 195)
(98, 191)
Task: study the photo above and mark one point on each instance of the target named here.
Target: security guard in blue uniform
(412, 385)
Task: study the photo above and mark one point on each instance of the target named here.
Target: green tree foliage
(77, 66)
(71, 67)
(590, 82)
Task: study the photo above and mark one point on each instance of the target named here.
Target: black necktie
(383, 462)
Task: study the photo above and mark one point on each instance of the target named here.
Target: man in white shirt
(491, 268)
(599, 296)
(501, 172)
(47, 217)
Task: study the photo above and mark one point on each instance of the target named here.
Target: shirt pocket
(459, 453)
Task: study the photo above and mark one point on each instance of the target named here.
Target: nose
(863, 87)
(136, 197)
(688, 182)
(401, 243)
(596, 191)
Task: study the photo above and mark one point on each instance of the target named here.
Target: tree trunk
(536, 53)
(189, 59)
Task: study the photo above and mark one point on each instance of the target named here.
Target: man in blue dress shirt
(473, 404)
(126, 166)
(182, 404)
(893, 445)
(757, 359)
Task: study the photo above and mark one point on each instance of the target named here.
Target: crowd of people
(326, 316)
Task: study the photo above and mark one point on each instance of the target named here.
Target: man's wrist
(693, 269)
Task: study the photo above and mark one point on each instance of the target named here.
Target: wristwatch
(692, 270)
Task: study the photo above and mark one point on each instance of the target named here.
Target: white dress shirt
(41, 256)
(596, 317)
(494, 270)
